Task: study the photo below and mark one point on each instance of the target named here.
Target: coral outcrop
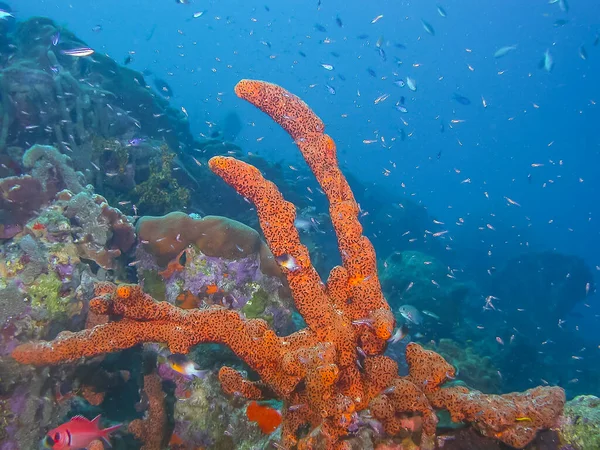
(475, 370)
(333, 369)
(167, 236)
(580, 424)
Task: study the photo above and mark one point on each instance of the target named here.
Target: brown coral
(167, 236)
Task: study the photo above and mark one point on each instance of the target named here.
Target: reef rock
(580, 426)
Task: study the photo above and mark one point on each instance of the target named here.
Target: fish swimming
(399, 334)
(163, 87)
(330, 89)
(288, 262)
(411, 83)
(411, 314)
(136, 141)
(547, 62)
(430, 314)
(503, 51)
(77, 433)
(427, 27)
(183, 365)
(461, 99)
(79, 52)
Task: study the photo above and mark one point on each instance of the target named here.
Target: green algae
(255, 307)
(154, 285)
(45, 294)
(101, 146)
(161, 192)
(580, 425)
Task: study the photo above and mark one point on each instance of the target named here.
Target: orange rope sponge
(334, 368)
(152, 429)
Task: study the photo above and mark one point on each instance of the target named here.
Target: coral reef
(331, 370)
(205, 418)
(22, 196)
(52, 168)
(50, 97)
(161, 191)
(102, 233)
(203, 280)
(580, 424)
(167, 236)
(476, 371)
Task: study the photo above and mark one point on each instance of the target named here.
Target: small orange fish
(77, 433)
(267, 418)
(212, 289)
(187, 300)
(38, 226)
(357, 279)
(176, 440)
(183, 365)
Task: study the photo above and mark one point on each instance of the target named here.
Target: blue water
(532, 116)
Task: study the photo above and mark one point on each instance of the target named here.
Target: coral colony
(331, 376)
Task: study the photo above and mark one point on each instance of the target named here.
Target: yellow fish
(523, 419)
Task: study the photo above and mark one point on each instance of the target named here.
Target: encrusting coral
(334, 368)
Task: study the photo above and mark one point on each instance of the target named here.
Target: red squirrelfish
(77, 433)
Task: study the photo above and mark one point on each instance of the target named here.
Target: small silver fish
(430, 314)
(503, 51)
(401, 108)
(411, 314)
(78, 52)
(427, 27)
(547, 62)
